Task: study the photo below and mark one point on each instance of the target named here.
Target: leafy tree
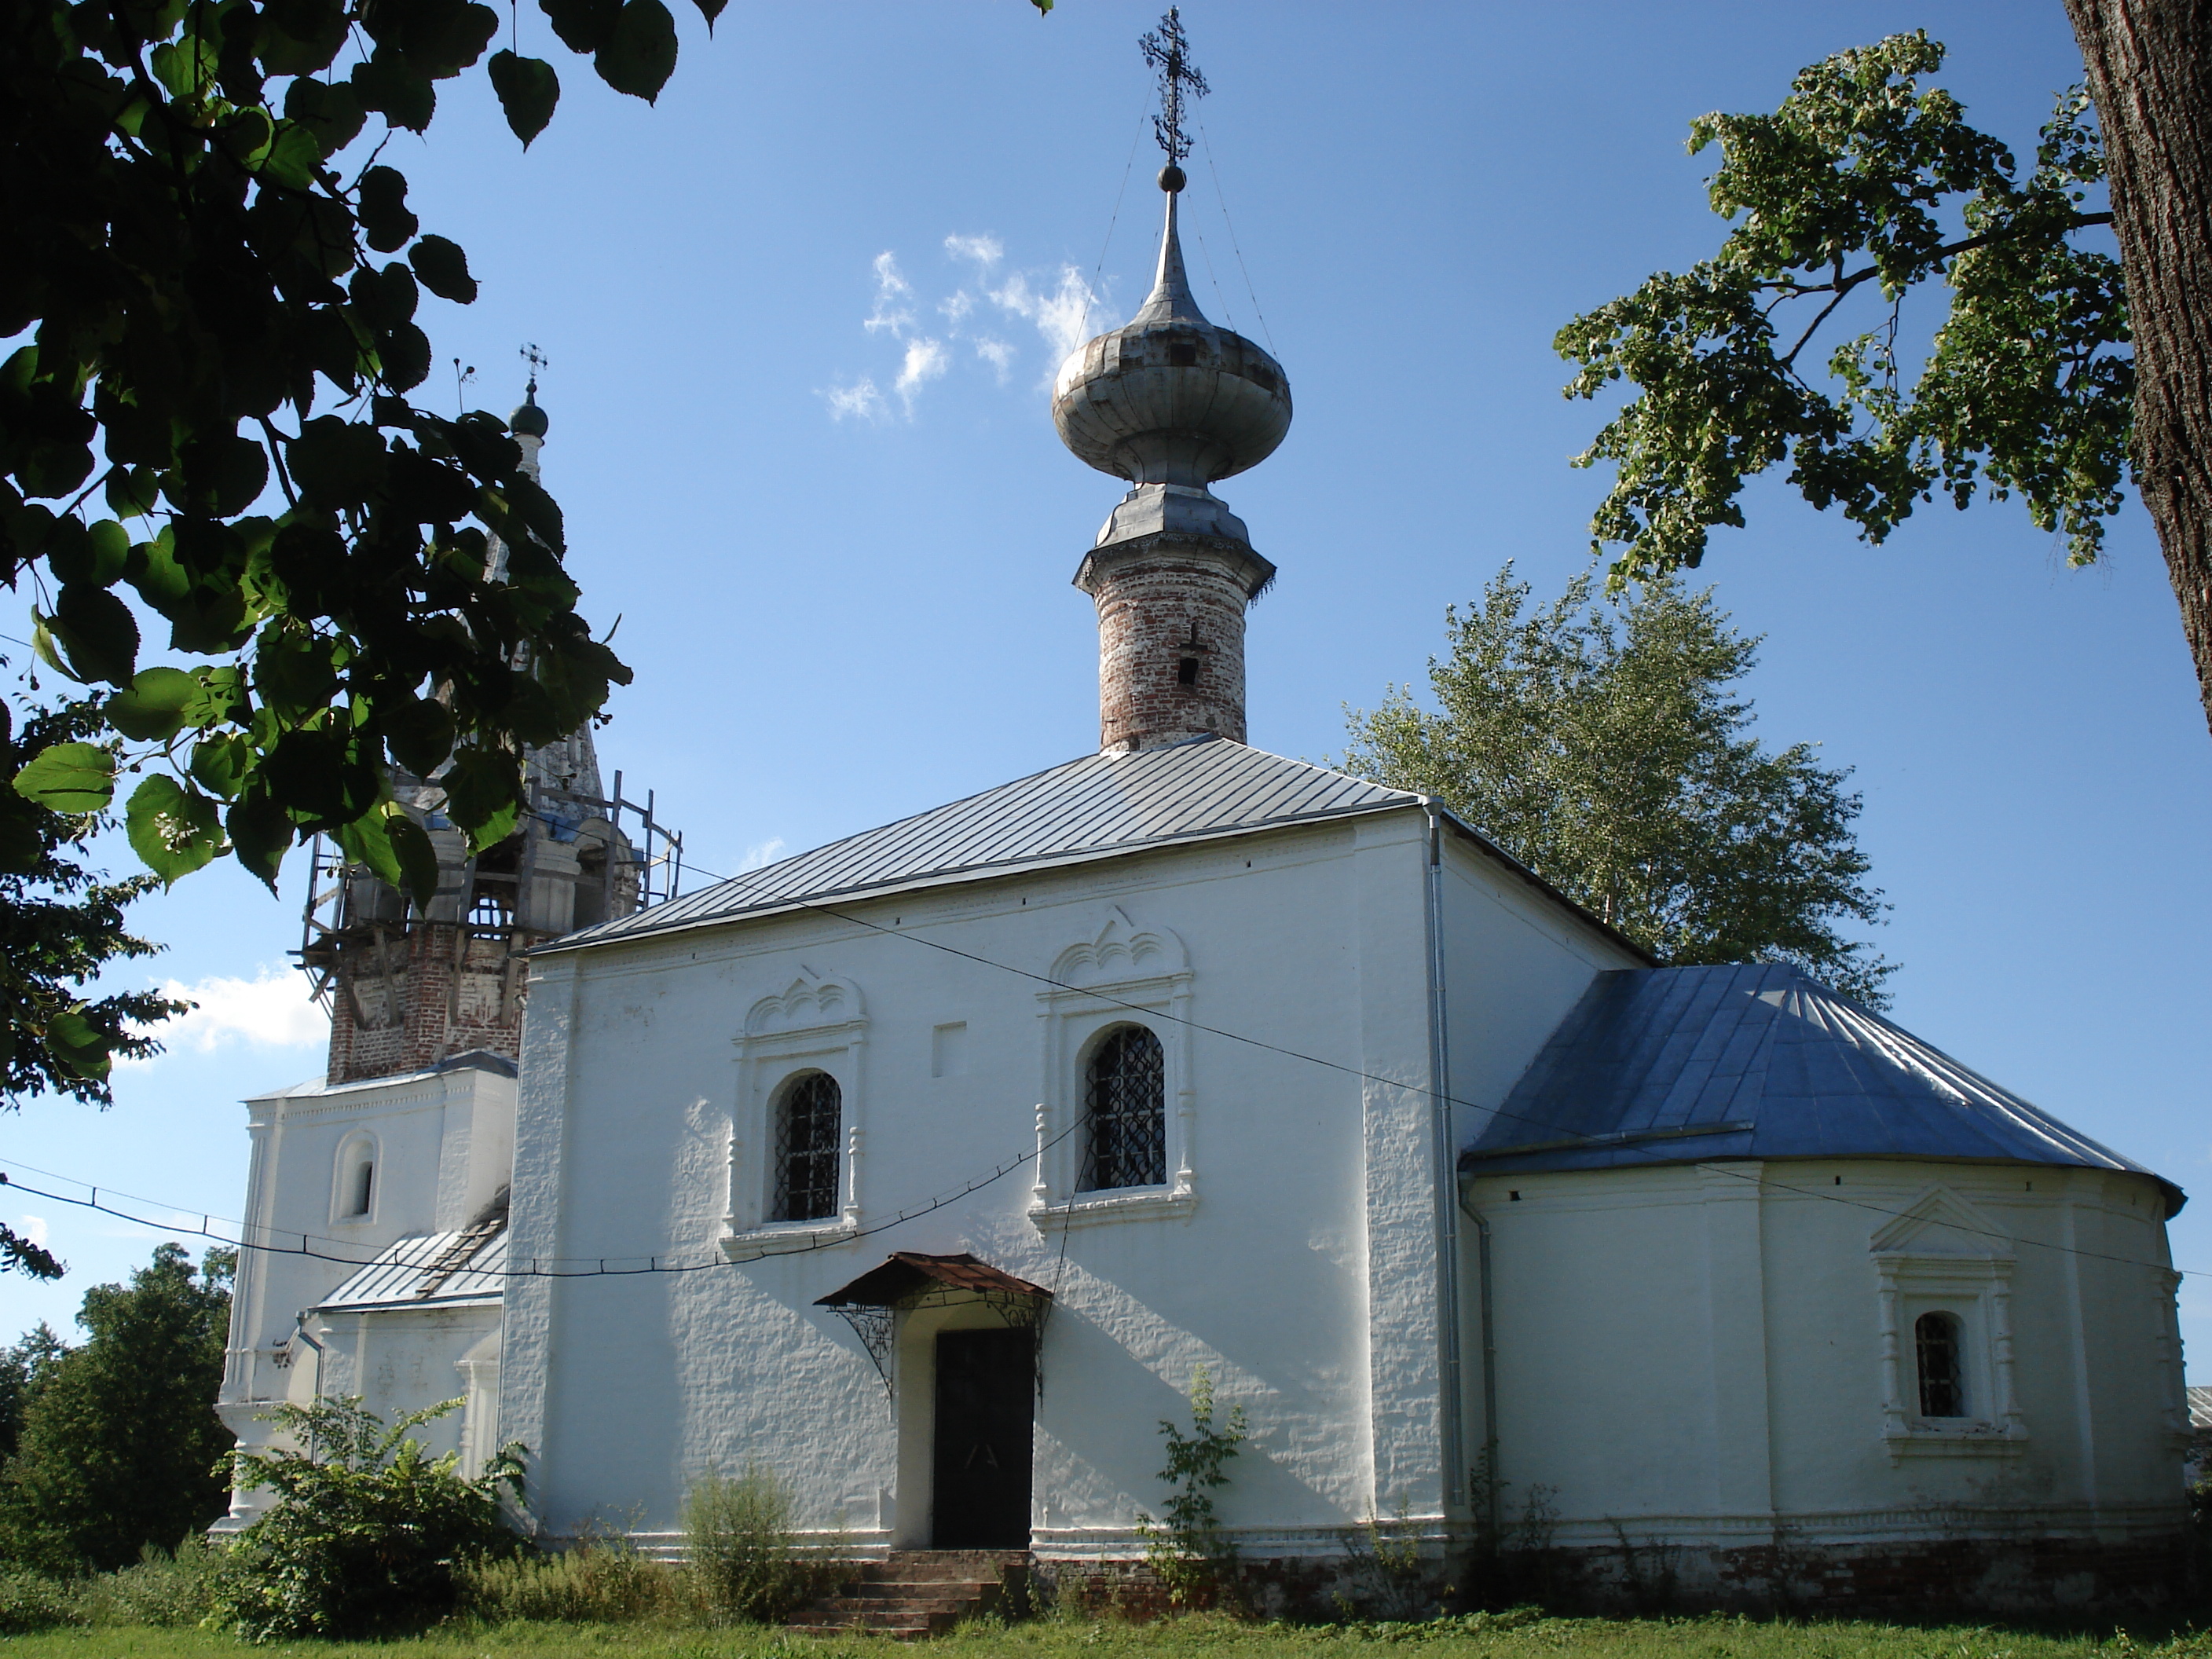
(206, 422)
(119, 1448)
(2059, 374)
(60, 925)
(1186, 1549)
(24, 1370)
(369, 1532)
(1606, 748)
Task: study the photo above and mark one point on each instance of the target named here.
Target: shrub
(745, 1561)
(1190, 1555)
(162, 1589)
(599, 1582)
(369, 1531)
(30, 1602)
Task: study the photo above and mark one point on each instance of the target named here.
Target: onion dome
(1171, 399)
(528, 420)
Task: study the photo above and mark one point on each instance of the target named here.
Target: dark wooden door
(984, 1399)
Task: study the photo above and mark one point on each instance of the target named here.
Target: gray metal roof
(1091, 807)
(432, 1270)
(1689, 1065)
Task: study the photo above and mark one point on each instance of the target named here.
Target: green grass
(1713, 1637)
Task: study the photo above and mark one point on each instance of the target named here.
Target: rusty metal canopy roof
(1758, 1061)
(1092, 807)
(908, 1273)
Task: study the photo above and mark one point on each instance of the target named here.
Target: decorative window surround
(1975, 1286)
(817, 1022)
(1114, 978)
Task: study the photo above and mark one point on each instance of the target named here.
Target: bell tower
(1171, 403)
(408, 988)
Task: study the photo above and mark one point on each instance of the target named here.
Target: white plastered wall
(1293, 1256)
(1695, 1355)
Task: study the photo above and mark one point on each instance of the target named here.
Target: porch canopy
(908, 1278)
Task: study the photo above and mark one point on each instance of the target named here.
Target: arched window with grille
(806, 1135)
(1125, 1112)
(1942, 1378)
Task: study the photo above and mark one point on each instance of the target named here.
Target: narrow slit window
(1942, 1380)
(806, 1125)
(1187, 671)
(1125, 1109)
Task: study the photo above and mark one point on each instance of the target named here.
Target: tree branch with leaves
(1865, 184)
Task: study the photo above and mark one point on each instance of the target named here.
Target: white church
(927, 1168)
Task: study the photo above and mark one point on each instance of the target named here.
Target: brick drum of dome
(1170, 646)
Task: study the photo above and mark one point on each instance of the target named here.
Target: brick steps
(912, 1594)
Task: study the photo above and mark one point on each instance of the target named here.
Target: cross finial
(1166, 51)
(536, 360)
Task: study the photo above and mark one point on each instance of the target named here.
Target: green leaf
(333, 114)
(367, 840)
(404, 357)
(174, 830)
(153, 709)
(384, 218)
(584, 25)
(22, 845)
(68, 777)
(399, 92)
(443, 268)
(338, 462)
(45, 648)
(97, 632)
(260, 831)
(419, 733)
(710, 9)
(96, 559)
(77, 1045)
(220, 763)
(639, 56)
(417, 858)
(484, 795)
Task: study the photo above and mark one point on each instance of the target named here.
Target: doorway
(986, 1403)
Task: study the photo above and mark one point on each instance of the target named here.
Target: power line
(539, 1266)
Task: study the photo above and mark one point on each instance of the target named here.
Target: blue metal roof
(1691, 1065)
(1090, 807)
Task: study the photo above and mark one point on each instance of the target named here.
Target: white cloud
(1062, 314)
(33, 1227)
(270, 1011)
(984, 250)
(926, 360)
(997, 353)
(894, 308)
(760, 854)
(858, 401)
(1059, 303)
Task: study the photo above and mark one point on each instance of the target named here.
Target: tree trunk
(2150, 72)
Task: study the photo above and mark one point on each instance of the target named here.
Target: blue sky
(841, 553)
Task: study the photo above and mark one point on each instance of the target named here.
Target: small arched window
(1942, 1379)
(806, 1149)
(1125, 1143)
(356, 1180)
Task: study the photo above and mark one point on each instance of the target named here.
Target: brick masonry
(410, 997)
(1171, 641)
(1940, 1579)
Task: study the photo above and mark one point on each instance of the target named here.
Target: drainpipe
(1452, 1431)
(1489, 1364)
(299, 1325)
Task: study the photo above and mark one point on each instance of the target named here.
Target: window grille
(1126, 1111)
(490, 910)
(807, 1150)
(1943, 1386)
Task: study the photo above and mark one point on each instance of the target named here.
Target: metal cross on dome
(1166, 51)
(529, 354)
